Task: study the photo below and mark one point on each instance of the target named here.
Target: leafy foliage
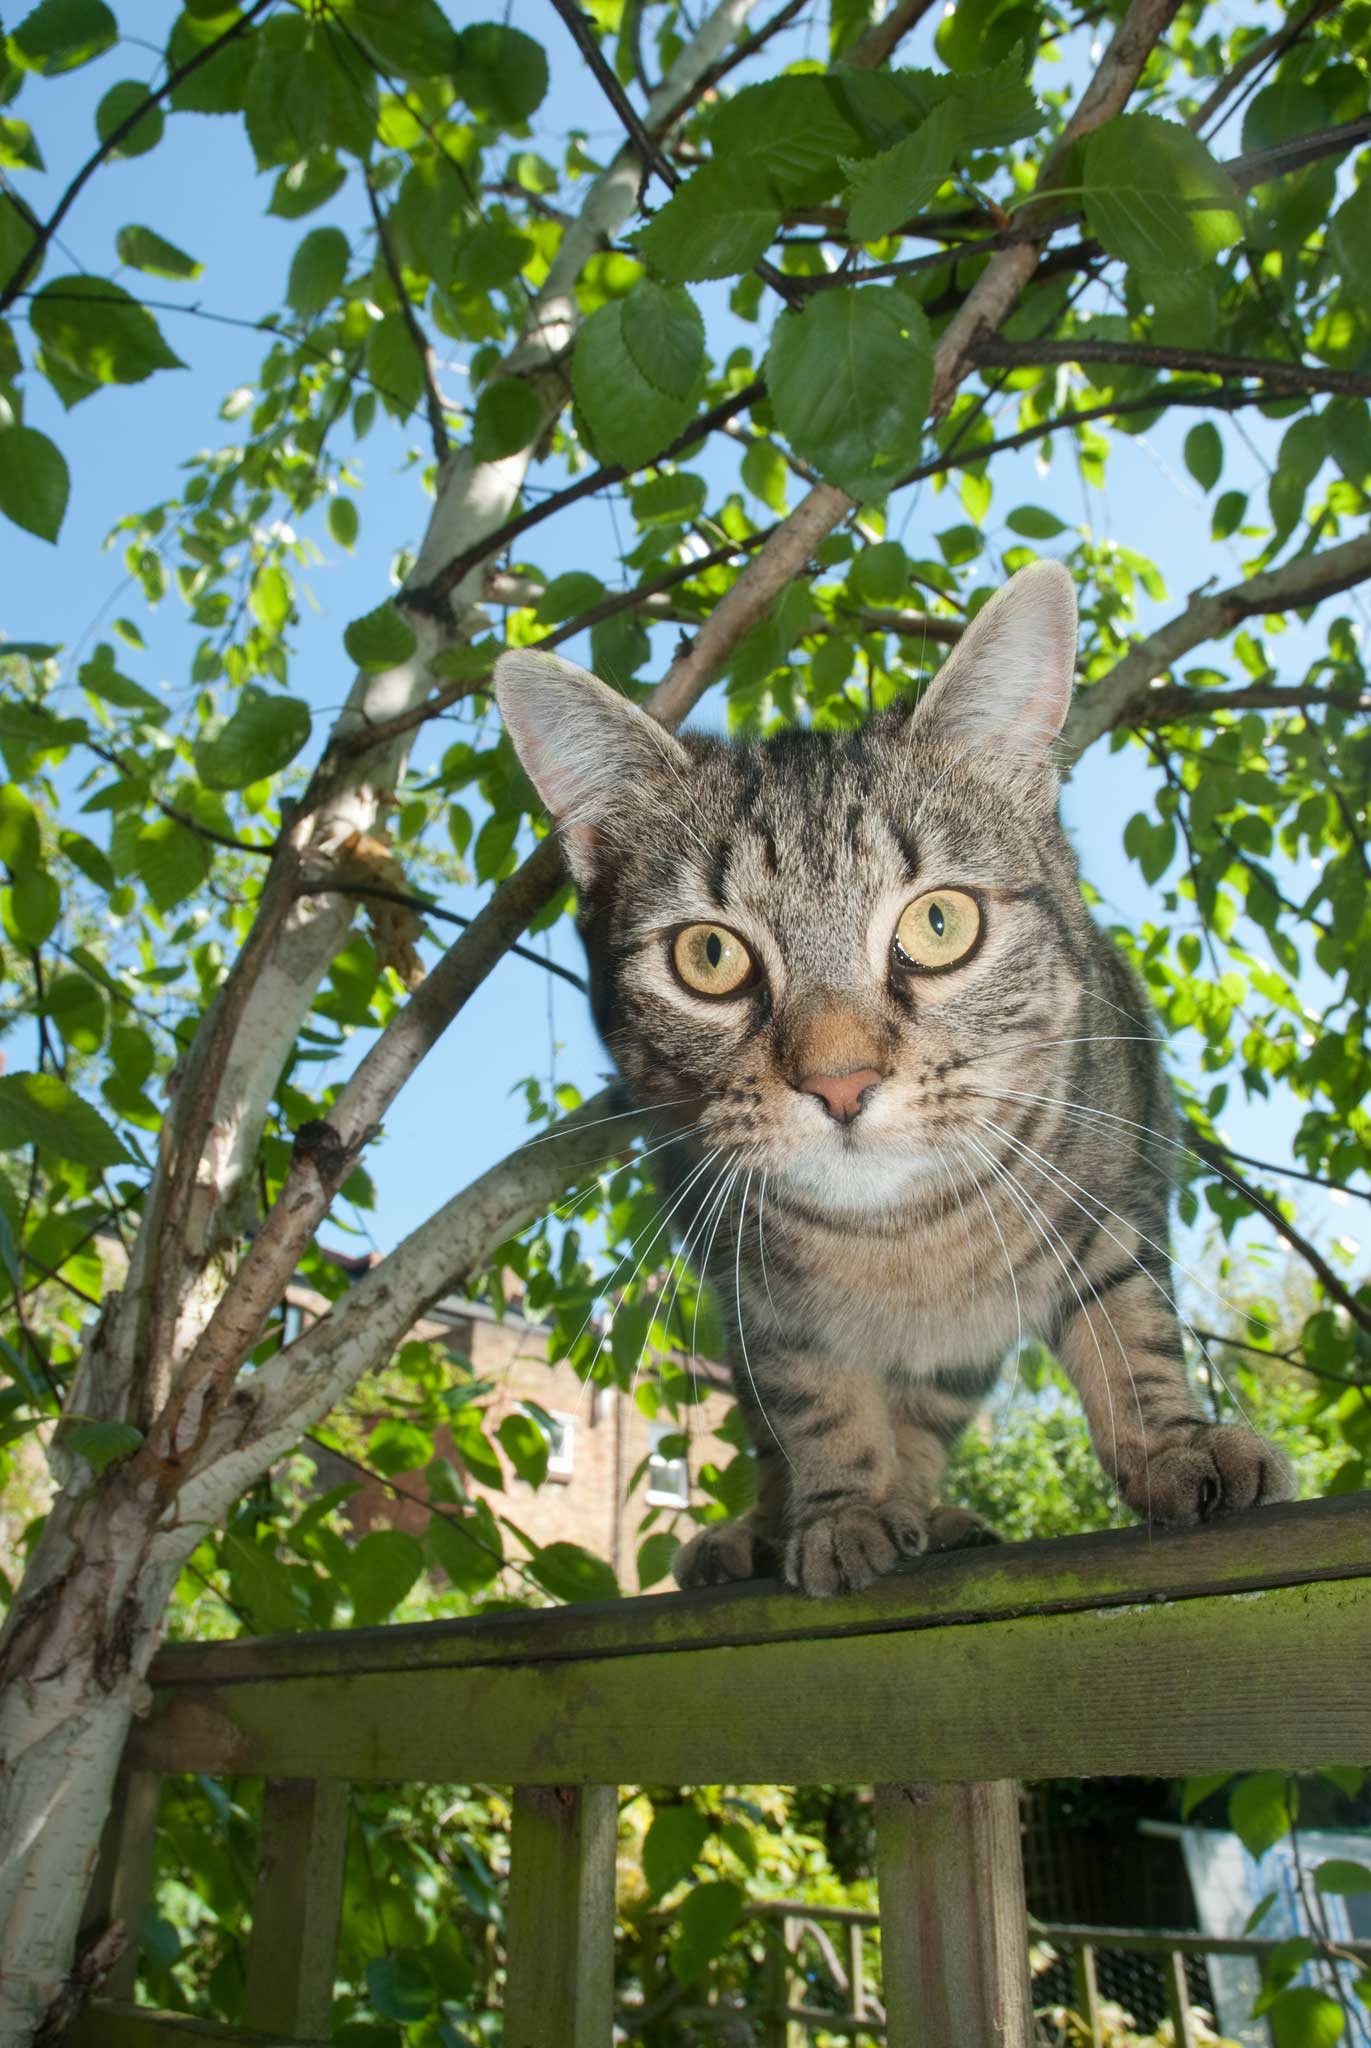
(460, 305)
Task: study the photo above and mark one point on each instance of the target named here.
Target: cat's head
(806, 945)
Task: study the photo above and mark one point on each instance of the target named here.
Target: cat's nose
(842, 1095)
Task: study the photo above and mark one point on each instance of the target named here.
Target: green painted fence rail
(1242, 1646)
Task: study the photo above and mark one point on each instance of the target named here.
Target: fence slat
(122, 1884)
(1178, 2001)
(1088, 1994)
(950, 1873)
(560, 1917)
(301, 1853)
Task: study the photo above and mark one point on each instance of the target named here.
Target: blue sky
(200, 190)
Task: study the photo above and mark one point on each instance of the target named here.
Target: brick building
(602, 1440)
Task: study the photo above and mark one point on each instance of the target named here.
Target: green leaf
(400, 1986)
(1196, 1790)
(666, 500)
(78, 1009)
(850, 379)
(410, 37)
(380, 1571)
(977, 29)
(764, 473)
(18, 150)
(1259, 1811)
(104, 681)
(262, 1585)
(1204, 454)
(120, 103)
(1034, 522)
(570, 1573)
(501, 73)
(672, 1843)
(99, 331)
(654, 1558)
(712, 226)
(891, 188)
(144, 250)
(379, 640)
(60, 34)
(34, 481)
(265, 732)
(101, 1444)
(38, 1109)
(665, 337)
(269, 598)
(466, 1546)
(1349, 239)
(306, 184)
(568, 595)
(30, 907)
(1229, 512)
(880, 573)
(707, 1917)
(509, 416)
(171, 860)
(317, 271)
(218, 85)
(1155, 196)
(783, 140)
(1305, 2018)
(343, 522)
(393, 365)
(526, 1447)
(21, 844)
(628, 419)
(1343, 1877)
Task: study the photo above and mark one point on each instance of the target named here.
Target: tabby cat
(907, 1076)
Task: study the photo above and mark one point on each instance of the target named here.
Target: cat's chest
(934, 1292)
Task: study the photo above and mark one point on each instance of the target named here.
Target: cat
(908, 1075)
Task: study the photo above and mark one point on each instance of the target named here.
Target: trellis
(1242, 1646)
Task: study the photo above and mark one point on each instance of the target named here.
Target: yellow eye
(711, 960)
(937, 930)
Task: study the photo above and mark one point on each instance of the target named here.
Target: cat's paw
(958, 1529)
(1218, 1469)
(721, 1553)
(845, 1550)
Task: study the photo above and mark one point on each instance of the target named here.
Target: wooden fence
(1242, 1646)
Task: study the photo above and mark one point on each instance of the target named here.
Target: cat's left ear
(1004, 691)
(586, 750)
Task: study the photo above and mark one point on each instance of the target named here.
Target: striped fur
(1008, 1176)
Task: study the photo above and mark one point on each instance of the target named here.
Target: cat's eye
(711, 960)
(936, 930)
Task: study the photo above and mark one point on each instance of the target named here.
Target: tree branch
(299, 1386)
(1119, 697)
(1261, 55)
(29, 261)
(430, 908)
(1172, 702)
(650, 155)
(423, 347)
(432, 595)
(1217, 1157)
(991, 350)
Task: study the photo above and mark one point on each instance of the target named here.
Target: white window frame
(661, 1495)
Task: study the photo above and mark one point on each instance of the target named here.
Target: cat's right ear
(584, 748)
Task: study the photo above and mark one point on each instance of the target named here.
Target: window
(668, 1475)
(292, 1321)
(560, 1431)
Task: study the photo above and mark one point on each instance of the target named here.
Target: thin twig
(29, 261)
(426, 904)
(423, 347)
(993, 349)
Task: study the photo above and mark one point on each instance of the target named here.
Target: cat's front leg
(1122, 1347)
(850, 1514)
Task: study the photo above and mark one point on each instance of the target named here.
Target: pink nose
(842, 1095)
